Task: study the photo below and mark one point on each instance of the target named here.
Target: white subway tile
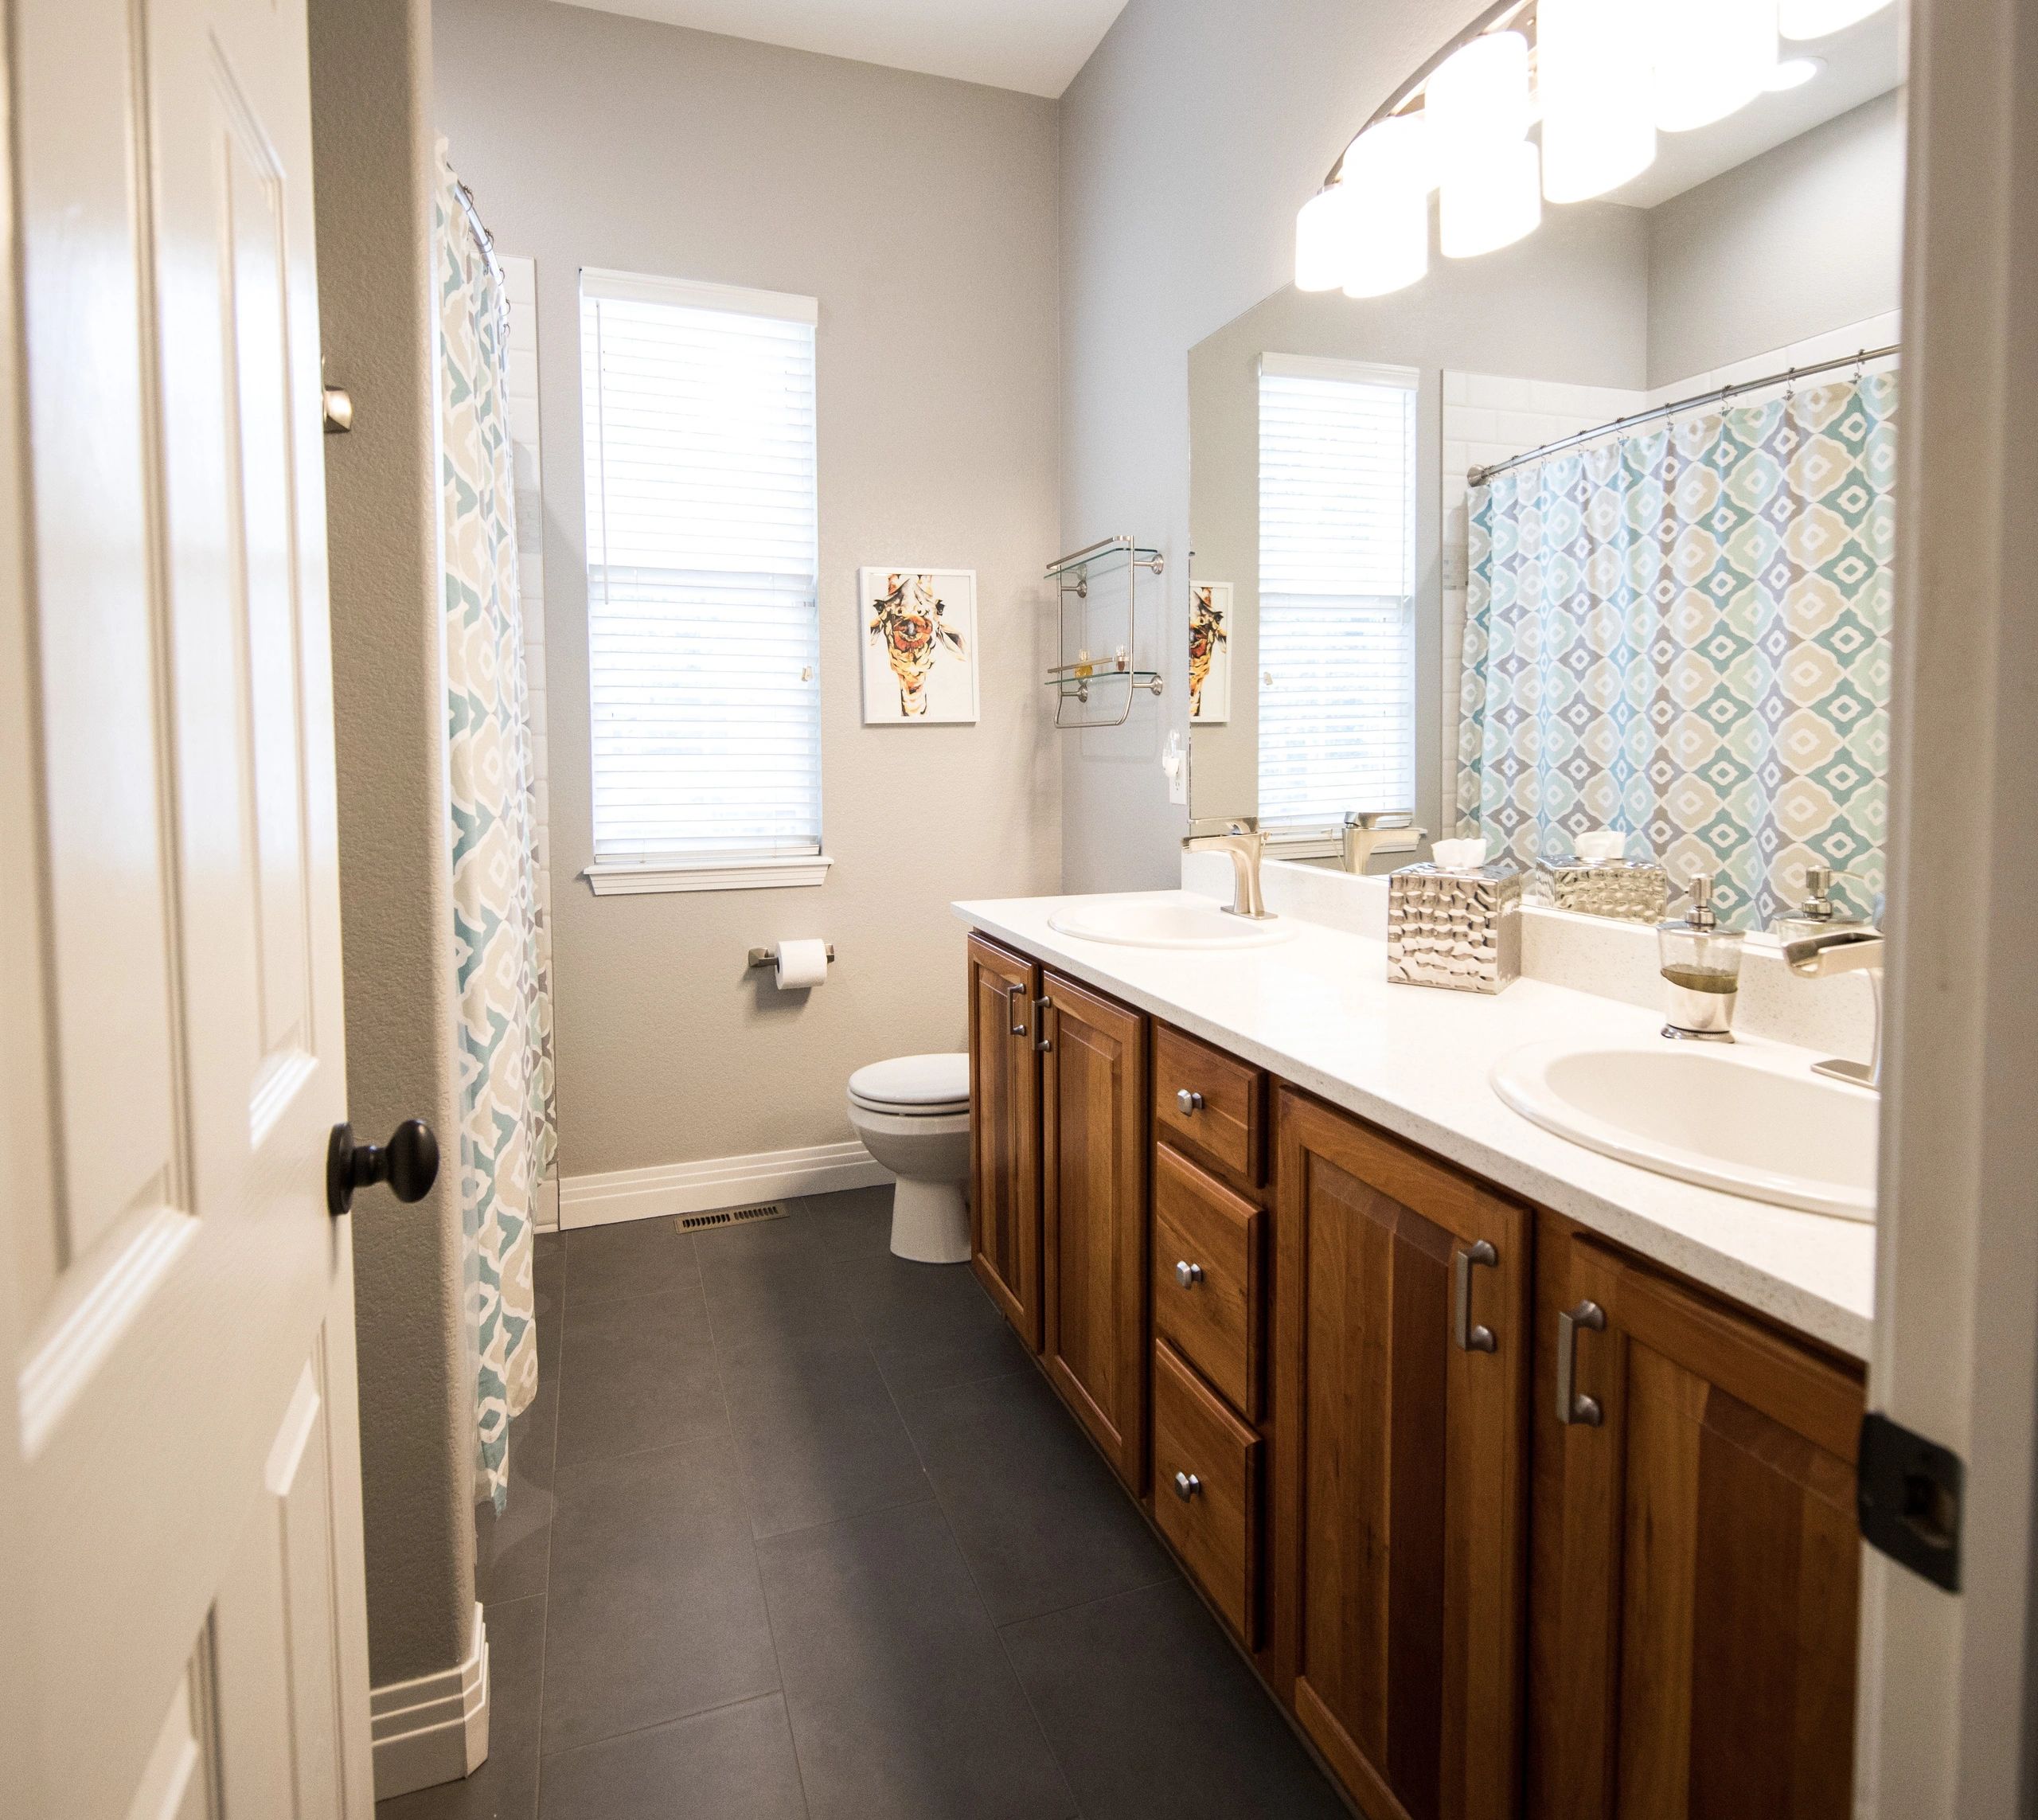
(1454, 388)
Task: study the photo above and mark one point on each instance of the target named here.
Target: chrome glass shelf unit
(1083, 674)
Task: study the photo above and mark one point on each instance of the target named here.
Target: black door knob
(409, 1163)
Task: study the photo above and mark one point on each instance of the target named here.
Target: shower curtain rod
(485, 241)
(1479, 476)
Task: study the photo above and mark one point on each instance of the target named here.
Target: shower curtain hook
(1860, 364)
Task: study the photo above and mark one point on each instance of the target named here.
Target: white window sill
(636, 878)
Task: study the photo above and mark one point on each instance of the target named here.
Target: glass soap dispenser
(1701, 965)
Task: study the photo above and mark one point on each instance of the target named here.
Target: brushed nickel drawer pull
(1016, 1009)
(1470, 1338)
(1042, 1040)
(1574, 1407)
(1188, 1275)
(1189, 1100)
(1187, 1484)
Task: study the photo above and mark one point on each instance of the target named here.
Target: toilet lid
(922, 1083)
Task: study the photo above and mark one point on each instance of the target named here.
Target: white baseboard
(668, 1189)
(544, 1205)
(434, 1728)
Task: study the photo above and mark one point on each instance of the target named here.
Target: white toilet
(913, 1116)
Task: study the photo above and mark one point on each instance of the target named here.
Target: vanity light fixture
(1490, 190)
(1500, 206)
(1712, 58)
(1821, 18)
(1602, 76)
(1793, 72)
(1388, 169)
(1595, 76)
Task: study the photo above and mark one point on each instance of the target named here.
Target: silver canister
(1631, 890)
(1460, 929)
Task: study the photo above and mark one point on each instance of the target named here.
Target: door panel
(187, 1369)
(1004, 1134)
(1094, 1164)
(1402, 1506)
(1695, 1599)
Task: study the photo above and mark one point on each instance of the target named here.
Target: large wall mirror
(1450, 561)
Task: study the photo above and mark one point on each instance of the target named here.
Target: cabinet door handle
(1188, 1275)
(1470, 1338)
(1041, 1040)
(1189, 1100)
(1016, 1009)
(1573, 1406)
(1187, 1484)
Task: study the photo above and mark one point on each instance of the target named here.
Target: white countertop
(1318, 1010)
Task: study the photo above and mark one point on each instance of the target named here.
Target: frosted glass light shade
(1593, 65)
(1390, 241)
(1477, 101)
(1323, 240)
(1386, 228)
(1493, 206)
(1712, 58)
(1818, 18)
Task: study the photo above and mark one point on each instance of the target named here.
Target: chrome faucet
(1246, 845)
(1844, 950)
(1364, 828)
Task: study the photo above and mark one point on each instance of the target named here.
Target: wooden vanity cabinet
(1093, 1173)
(1402, 1370)
(1005, 1133)
(1058, 1174)
(1696, 1555)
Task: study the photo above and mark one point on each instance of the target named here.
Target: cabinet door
(1093, 1128)
(1004, 1134)
(1403, 1347)
(1697, 1558)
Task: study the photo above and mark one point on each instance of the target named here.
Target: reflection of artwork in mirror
(919, 646)
(1210, 652)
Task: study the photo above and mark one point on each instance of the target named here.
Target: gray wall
(1569, 304)
(921, 213)
(371, 75)
(1805, 238)
(1188, 143)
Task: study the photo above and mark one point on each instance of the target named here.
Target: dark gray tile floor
(796, 1532)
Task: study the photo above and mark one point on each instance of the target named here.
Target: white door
(183, 1621)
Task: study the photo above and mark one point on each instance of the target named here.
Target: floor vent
(731, 1216)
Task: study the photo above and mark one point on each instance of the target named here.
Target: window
(1336, 591)
(703, 631)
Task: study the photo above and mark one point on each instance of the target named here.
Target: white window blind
(702, 554)
(1337, 589)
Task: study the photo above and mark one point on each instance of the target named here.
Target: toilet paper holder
(769, 957)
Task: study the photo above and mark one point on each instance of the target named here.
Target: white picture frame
(1210, 614)
(916, 627)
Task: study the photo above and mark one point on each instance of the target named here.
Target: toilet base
(930, 1223)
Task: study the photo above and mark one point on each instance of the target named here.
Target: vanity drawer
(1209, 1296)
(1208, 1466)
(1212, 1103)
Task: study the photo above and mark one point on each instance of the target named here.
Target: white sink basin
(1714, 1116)
(1165, 919)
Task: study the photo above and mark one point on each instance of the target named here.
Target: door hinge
(1908, 1493)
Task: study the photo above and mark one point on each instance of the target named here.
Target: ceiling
(1035, 46)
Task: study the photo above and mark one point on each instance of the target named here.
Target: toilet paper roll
(801, 963)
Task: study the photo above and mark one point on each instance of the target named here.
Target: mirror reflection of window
(1336, 588)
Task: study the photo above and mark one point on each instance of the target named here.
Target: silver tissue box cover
(1632, 890)
(1458, 930)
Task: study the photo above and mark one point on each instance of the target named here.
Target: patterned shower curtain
(502, 945)
(1685, 635)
